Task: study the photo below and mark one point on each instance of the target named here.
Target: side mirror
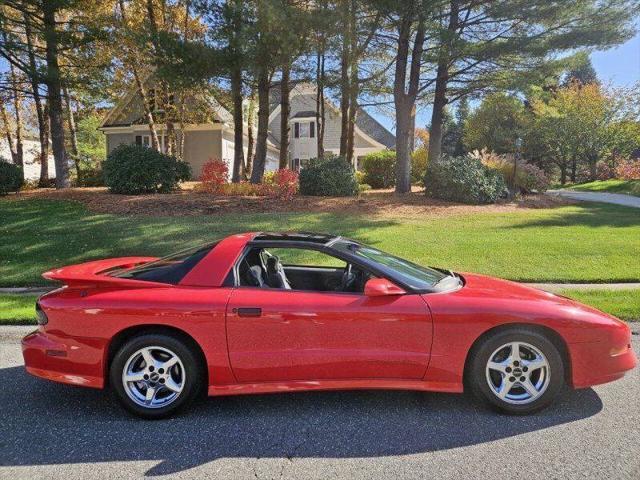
(381, 287)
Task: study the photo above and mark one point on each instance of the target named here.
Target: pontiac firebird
(282, 312)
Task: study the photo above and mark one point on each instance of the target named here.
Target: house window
(295, 164)
(304, 129)
(145, 140)
(296, 130)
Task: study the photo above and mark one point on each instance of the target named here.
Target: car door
(283, 335)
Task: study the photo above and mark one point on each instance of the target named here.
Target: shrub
(463, 179)
(10, 177)
(215, 174)
(282, 184)
(628, 170)
(135, 169)
(419, 161)
(90, 172)
(328, 176)
(241, 189)
(360, 177)
(531, 177)
(379, 169)
(604, 171)
(528, 177)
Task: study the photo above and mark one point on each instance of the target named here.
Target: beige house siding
(115, 139)
(200, 147)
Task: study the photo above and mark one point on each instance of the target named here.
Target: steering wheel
(348, 278)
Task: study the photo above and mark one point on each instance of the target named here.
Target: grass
(580, 243)
(630, 187)
(624, 304)
(17, 309)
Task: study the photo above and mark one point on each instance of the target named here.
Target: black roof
(309, 237)
(305, 114)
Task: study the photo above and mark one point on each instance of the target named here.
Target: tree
(581, 125)
(582, 73)
(496, 124)
(485, 46)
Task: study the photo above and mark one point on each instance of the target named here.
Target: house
(210, 135)
(31, 157)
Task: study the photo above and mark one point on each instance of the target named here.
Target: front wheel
(154, 375)
(517, 371)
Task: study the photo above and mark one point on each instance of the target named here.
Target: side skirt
(310, 385)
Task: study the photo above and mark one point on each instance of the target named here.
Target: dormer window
(304, 129)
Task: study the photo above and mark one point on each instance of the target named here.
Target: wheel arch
(551, 334)
(120, 338)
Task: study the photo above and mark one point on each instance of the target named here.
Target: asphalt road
(56, 431)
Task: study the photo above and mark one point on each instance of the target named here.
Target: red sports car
(276, 312)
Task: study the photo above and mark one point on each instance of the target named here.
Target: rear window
(171, 269)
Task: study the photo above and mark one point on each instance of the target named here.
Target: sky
(618, 67)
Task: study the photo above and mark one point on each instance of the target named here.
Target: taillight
(41, 317)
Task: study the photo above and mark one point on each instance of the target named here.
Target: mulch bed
(187, 202)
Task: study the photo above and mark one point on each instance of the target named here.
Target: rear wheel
(155, 375)
(518, 371)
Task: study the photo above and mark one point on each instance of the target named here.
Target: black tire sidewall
(476, 377)
(189, 361)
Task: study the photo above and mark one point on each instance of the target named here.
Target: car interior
(260, 268)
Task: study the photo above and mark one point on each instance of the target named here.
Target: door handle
(248, 311)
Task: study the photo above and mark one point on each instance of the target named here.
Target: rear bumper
(597, 363)
(64, 360)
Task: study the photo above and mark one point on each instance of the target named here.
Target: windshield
(411, 274)
(170, 269)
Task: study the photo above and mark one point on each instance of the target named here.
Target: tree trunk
(285, 111)
(44, 147)
(19, 159)
(9, 136)
(412, 132)
(263, 126)
(437, 115)
(405, 93)
(54, 87)
(251, 118)
(353, 111)
(148, 112)
(43, 124)
(238, 149)
(563, 174)
(574, 169)
(71, 121)
(442, 80)
(345, 90)
(320, 110)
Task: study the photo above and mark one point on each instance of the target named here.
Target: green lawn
(581, 243)
(17, 309)
(630, 187)
(624, 304)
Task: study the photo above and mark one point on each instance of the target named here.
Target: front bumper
(63, 359)
(597, 363)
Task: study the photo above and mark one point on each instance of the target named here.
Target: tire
(516, 384)
(173, 387)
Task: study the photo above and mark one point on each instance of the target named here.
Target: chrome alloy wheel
(518, 373)
(153, 377)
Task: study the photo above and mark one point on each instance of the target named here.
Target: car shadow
(43, 423)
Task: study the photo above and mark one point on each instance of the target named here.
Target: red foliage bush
(604, 171)
(628, 170)
(215, 175)
(284, 184)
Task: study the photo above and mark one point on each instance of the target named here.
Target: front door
(282, 335)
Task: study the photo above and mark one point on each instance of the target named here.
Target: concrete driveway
(56, 431)
(615, 198)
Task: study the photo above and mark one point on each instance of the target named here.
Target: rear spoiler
(92, 274)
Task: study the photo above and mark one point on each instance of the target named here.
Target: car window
(304, 257)
(170, 269)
